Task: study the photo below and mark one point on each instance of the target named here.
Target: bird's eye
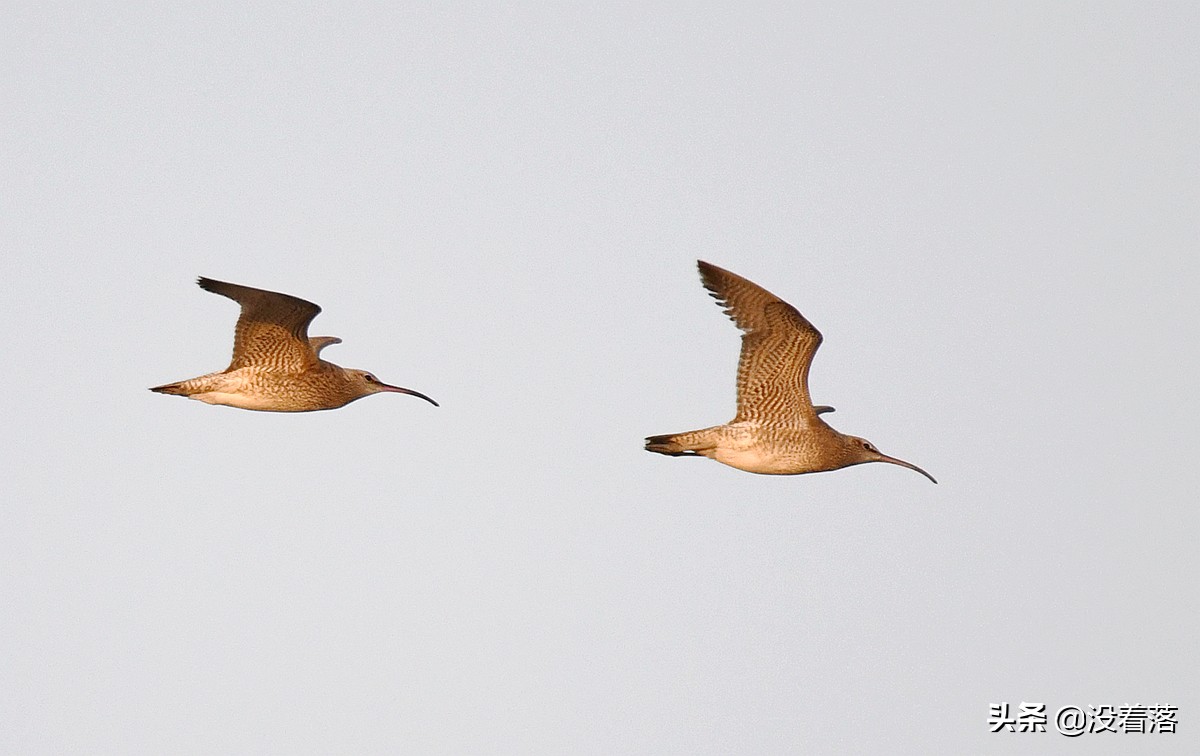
(867, 446)
(368, 378)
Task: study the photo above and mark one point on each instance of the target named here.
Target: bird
(777, 430)
(276, 365)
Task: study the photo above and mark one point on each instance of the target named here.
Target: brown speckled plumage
(276, 365)
(777, 430)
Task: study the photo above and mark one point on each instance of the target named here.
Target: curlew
(276, 365)
(777, 430)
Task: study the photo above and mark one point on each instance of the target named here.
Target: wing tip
(213, 285)
(708, 271)
(709, 275)
(239, 292)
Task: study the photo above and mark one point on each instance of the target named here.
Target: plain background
(989, 209)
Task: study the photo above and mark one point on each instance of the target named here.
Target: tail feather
(665, 445)
(677, 444)
(171, 388)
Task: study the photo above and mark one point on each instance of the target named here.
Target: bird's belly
(262, 402)
(759, 461)
(763, 450)
(748, 459)
(750, 450)
(263, 391)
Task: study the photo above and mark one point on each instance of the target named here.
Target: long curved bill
(902, 463)
(410, 392)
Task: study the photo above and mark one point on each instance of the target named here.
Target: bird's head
(860, 450)
(365, 383)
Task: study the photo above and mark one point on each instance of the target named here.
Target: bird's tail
(171, 388)
(681, 444)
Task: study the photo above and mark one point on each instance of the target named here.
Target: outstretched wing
(272, 331)
(320, 342)
(778, 345)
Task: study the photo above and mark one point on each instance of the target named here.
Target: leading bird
(777, 430)
(275, 366)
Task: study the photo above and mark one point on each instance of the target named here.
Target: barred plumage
(777, 430)
(276, 365)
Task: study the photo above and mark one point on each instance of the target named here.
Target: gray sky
(989, 211)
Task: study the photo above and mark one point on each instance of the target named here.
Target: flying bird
(276, 365)
(777, 430)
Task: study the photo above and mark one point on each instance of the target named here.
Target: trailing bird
(777, 430)
(276, 365)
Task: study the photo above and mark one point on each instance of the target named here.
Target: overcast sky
(989, 210)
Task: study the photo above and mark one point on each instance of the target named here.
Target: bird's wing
(777, 348)
(272, 331)
(320, 342)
